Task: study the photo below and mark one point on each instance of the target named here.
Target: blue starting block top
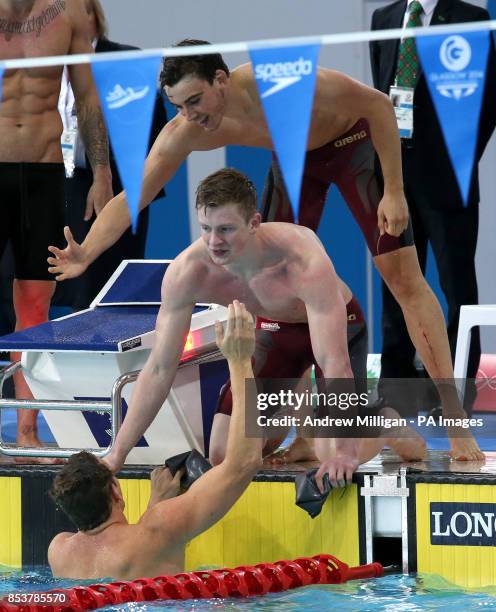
(134, 282)
(97, 329)
(124, 310)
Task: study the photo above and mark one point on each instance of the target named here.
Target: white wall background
(158, 23)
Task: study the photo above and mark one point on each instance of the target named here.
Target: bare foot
(409, 449)
(301, 449)
(463, 446)
(404, 440)
(32, 441)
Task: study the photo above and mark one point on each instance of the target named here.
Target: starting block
(84, 357)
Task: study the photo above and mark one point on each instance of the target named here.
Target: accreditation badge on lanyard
(68, 144)
(402, 99)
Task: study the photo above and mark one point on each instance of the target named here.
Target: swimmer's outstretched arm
(168, 152)
(212, 495)
(156, 378)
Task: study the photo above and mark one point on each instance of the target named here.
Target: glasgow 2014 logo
(455, 54)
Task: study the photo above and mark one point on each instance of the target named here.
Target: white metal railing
(237, 47)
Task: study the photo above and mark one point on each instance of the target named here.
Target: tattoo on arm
(92, 128)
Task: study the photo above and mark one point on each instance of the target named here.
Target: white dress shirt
(426, 15)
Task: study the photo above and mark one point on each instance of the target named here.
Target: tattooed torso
(30, 125)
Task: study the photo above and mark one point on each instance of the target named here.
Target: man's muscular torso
(30, 124)
(268, 293)
(286, 255)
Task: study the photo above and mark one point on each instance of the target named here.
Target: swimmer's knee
(404, 284)
(32, 302)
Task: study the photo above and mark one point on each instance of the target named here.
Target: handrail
(114, 407)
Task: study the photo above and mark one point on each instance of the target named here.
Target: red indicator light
(189, 344)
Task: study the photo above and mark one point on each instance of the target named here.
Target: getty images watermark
(365, 408)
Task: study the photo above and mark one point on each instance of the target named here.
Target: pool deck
(385, 463)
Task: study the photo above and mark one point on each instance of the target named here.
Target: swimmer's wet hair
(202, 66)
(227, 186)
(82, 489)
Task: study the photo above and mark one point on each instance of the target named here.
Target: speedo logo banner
(127, 90)
(463, 524)
(285, 78)
(455, 69)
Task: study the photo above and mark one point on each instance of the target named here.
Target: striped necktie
(408, 62)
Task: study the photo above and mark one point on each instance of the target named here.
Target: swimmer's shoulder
(243, 73)
(331, 85)
(243, 78)
(60, 550)
(180, 137)
(291, 235)
(308, 249)
(191, 262)
(299, 245)
(187, 271)
(61, 539)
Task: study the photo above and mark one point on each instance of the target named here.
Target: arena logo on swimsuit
(270, 326)
(463, 524)
(349, 139)
(283, 74)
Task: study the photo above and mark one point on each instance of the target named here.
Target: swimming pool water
(395, 593)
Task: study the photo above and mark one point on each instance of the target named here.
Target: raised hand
(164, 485)
(237, 342)
(69, 262)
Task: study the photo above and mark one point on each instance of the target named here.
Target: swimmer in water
(105, 543)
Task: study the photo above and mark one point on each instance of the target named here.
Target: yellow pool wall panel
(10, 522)
(265, 525)
(466, 566)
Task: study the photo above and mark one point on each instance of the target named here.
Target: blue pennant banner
(127, 90)
(286, 82)
(455, 69)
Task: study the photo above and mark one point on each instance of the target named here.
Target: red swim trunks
(349, 163)
(284, 350)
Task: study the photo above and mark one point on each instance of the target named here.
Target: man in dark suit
(79, 293)
(438, 214)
